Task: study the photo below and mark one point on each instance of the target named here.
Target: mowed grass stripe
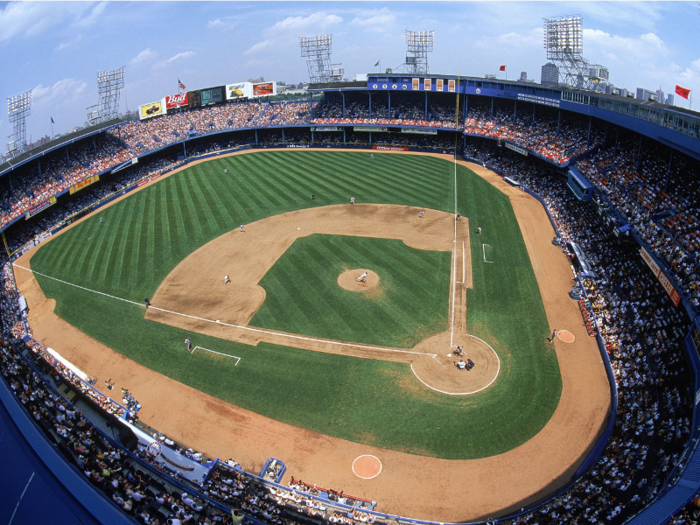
(368, 401)
(407, 188)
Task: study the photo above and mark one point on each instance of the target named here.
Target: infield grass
(410, 303)
(380, 403)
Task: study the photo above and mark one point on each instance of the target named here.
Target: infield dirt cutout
(409, 485)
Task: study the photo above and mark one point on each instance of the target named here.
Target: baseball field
(285, 340)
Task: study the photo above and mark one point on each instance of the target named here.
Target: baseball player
(363, 277)
(352, 200)
(227, 279)
(421, 214)
(243, 228)
(225, 171)
(188, 344)
(554, 334)
(148, 302)
(371, 155)
(479, 230)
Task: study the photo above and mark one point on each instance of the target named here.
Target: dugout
(579, 260)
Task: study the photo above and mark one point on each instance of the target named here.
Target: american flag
(181, 85)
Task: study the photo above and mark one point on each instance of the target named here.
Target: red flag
(682, 92)
(503, 68)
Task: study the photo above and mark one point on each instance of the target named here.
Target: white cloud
(260, 46)
(315, 22)
(144, 56)
(69, 43)
(30, 19)
(377, 21)
(646, 47)
(179, 56)
(91, 17)
(531, 39)
(61, 91)
(285, 33)
(225, 23)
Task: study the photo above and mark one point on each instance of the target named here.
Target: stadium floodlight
(19, 107)
(109, 85)
(317, 50)
(563, 40)
(420, 43)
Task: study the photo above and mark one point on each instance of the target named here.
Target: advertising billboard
(176, 101)
(439, 84)
(154, 109)
(239, 90)
(264, 89)
(427, 84)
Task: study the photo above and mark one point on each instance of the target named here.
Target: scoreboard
(206, 97)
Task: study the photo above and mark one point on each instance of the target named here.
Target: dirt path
(408, 485)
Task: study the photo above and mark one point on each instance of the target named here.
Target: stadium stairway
(675, 499)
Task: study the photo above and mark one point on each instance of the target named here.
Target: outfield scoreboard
(206, 97)
(212, 95)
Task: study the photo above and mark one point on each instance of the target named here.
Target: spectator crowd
(642, 331)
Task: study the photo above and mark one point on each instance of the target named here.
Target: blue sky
(56, 48)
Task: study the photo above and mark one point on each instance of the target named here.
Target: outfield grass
(410, 303)
(145, 236)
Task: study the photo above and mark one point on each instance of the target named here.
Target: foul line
(258, 330)
(454, 253)
(20, 498)
(76, 286)
(483, 246)
(454, 292)
(464, 265)
(220, 353)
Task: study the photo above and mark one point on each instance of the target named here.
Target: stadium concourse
(641, 330)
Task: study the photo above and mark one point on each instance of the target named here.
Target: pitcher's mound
(349, 280)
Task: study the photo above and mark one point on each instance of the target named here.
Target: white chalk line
(483, 246)
(464, 263)
(454, 292)
(220, 353)
(20, 498)
(250, 329)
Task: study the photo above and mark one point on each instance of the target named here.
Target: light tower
(420, 43)
(317, 50)
(563, 40)
(109, 84)
(19, 107)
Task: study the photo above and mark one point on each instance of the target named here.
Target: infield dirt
(409, 485)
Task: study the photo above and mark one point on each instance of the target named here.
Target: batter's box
(238, 359)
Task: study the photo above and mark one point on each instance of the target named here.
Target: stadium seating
(642, 333)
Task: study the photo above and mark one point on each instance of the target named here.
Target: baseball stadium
(403, 299)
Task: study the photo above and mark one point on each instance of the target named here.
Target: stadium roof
(56, 143)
